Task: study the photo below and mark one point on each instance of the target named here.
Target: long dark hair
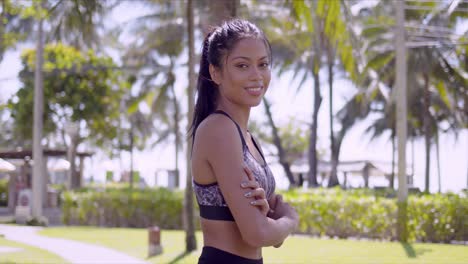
(217, 44)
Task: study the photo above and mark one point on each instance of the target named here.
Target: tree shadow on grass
(411, 253)
(179, 257)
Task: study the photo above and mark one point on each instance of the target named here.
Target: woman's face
(245, 75)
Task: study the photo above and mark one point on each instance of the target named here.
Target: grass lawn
(26, 254)
(296, 249)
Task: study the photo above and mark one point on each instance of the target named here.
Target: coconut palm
(318, 38)
(434, 82)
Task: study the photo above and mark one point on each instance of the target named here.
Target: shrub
(363, 213)
(3, 192)
(124, 207)
(332, 212)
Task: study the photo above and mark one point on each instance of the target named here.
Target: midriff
(225, 235)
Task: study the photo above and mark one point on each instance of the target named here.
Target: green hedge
(338, 213)
(330, 212)
(123, 208)
(3, 192)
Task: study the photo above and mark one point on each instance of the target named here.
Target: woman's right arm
(223, 148)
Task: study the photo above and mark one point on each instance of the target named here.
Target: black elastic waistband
(213, 255)
(216, 212)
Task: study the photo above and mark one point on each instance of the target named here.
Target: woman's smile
(255, 91)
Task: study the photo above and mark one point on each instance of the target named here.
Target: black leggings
(211, 255)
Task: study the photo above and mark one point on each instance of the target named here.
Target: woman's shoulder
(217, 130)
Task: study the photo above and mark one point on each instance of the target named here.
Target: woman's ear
(215, 74)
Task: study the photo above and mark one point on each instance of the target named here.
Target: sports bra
(209, 196)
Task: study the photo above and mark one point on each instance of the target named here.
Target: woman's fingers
(279, 198)
(262, 204)
(250, 184)
(258, 193)
(249, 173)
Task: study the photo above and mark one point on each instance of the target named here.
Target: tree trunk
(365, 175)
(392, 175)
(131, 155)
(176, 134)
(333, 181)
(427, 133)
(277, 142)
(438, 161)
(337, 146)
(402, 124)
(312, 153)
(38, 179)
(412, 157)
(2, 30)
(222, 10)
(75, 181)
(189, 220)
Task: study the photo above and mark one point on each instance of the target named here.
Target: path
(72, 251)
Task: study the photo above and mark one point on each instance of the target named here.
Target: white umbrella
(6, 166)
(58, 165)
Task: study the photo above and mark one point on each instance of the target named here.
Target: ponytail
(206, 89)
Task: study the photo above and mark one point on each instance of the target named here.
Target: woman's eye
(264, 65)
(242, 66)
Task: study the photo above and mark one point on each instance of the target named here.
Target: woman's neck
(238, 113)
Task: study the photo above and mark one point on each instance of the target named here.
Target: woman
(234, 187)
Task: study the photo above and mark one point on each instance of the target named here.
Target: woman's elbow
(256, 239)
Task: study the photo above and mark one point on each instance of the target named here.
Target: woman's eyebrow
(248, 58)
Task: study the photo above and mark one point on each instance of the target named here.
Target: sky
(287, 103)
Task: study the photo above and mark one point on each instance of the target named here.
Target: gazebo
(367, 169)
(21, 177)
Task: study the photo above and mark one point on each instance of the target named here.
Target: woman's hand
(255, 192)
(284, 209)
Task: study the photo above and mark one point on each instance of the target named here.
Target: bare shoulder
(217, 133)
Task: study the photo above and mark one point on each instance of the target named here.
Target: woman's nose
(256, 73)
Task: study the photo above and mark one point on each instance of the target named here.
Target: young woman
(234, 187)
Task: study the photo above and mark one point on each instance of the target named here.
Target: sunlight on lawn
(296, 249)
(13, 252)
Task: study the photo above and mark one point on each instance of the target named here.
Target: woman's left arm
(266, 206)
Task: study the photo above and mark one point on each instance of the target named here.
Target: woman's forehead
(249, 48)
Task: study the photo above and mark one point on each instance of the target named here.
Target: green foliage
(42, 221)
(303, 14)
(331, 212)
(294, 138)
(357, 213)
(78, 87)
(15, 22)
(123, 207)
(3, 192)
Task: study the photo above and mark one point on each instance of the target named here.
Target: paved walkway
(72, 251)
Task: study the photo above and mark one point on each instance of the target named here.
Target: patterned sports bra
(209, 196)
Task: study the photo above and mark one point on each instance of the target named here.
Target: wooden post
(154, 241)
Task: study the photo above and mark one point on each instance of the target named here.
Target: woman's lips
(255, 91)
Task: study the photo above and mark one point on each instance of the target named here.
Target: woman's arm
(265, 206)
(223, 147)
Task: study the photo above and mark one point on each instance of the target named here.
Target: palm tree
(298, 47)
(38, 179)
(277, 141)
(190, 239)
(435, 81)
(219, 11)
(325, 33)
(146, 59)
